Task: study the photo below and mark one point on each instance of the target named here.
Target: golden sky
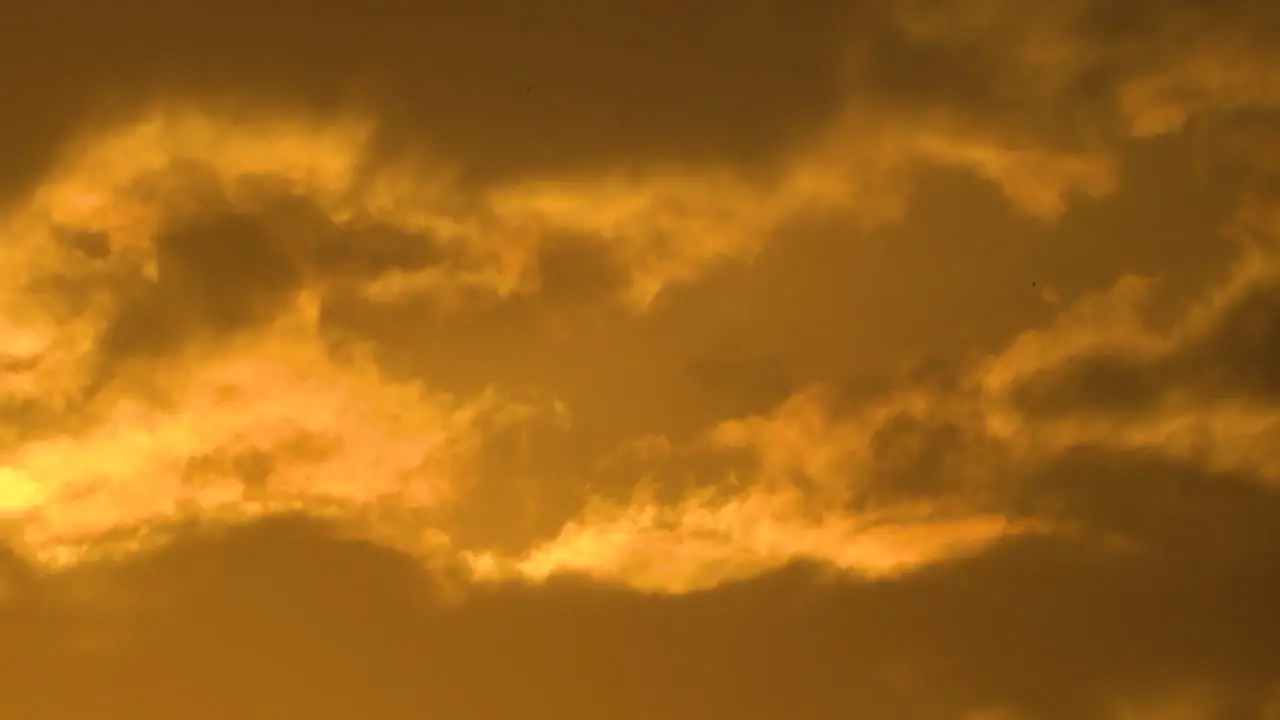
(828, 359)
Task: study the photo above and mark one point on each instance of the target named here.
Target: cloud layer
(624, 357)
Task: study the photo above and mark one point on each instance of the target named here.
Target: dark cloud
(1240, 355)
(572, 271)
(994, 67)
(502, 88)
(742, 383)
(213, 276)
(971, 70)
(1237, 356)
(93, 245)
(920, 458)
(952, 284)
(1167, 507)
(1168, 584)
(252, 467)
(512, 91)
(1109, 383)
(26, 419)
(225, 268)
(282, 617)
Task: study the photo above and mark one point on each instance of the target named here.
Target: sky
(869, 359)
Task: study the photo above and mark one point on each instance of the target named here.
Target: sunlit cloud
(923, 475)
(705, 541)
(262, 401)
(834, 359)
(270, 423)
(148, 389)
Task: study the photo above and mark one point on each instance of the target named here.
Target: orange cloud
(810, 495)
(329, 433)
(923, 474)
(706, 541)
(269, 384)
(272, 389)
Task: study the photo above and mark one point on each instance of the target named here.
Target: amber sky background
(626, 359)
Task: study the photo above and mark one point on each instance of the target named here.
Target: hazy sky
(882, 359)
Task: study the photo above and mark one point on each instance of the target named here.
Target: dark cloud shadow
(283, 617)
(222, 268)
(1236, 357)
(506, 89)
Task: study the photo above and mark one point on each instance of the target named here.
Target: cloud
(155, 246)
(1201, 388)
(1037, 102)
(284, 613)
(227, 240)
(333, 432)
(1224, 352)
(1100, 427)
(183, 366)
(1078, 524)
